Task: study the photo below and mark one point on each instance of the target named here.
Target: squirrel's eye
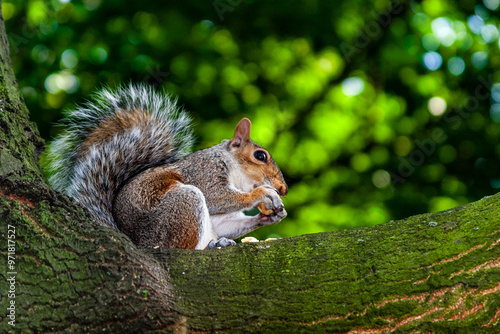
(260, 155)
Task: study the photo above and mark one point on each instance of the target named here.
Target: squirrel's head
(258, 167)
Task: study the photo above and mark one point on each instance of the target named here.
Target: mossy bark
(429, 273)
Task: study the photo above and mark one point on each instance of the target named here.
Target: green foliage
(374, 111)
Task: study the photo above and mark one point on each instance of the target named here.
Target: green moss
(344, 273)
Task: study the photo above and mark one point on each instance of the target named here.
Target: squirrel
(125, 157)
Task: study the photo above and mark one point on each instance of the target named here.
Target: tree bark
(431, 273)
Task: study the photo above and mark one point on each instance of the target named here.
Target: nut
(249, 239)
(264, 210)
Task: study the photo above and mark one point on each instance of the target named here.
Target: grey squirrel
(124, 156)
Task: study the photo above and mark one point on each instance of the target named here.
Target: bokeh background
(375, 110)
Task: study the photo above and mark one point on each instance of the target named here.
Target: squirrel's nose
(283, 190)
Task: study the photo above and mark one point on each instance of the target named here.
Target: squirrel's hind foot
(222, 242)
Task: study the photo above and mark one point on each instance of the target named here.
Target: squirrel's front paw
(271, 198)
(222, 242)
(273, 218)
(271, 208)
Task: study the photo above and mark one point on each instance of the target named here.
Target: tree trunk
(429, 273)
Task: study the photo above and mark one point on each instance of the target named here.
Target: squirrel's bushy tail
(108, 140)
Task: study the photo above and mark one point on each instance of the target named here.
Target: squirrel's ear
(241, 133)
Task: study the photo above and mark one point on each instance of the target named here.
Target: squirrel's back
(108, 140)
